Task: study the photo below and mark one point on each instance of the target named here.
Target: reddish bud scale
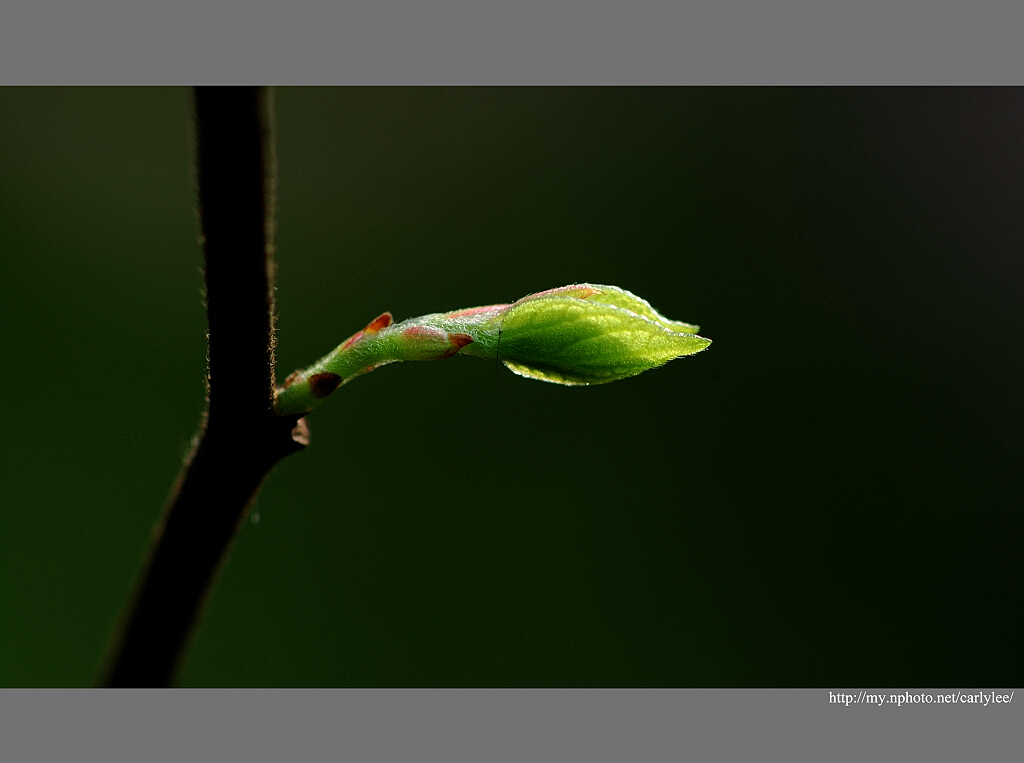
(424, 332)
(431, 343)
(382, 321)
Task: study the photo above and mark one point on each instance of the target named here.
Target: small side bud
(323, 384)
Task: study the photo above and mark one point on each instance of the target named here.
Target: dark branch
(240, 438)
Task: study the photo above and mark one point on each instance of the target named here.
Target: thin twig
(240, 437)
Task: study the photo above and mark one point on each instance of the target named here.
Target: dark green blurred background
(829, 496)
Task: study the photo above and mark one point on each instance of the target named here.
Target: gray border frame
(643, 42)
(469, 43)
(497, 725)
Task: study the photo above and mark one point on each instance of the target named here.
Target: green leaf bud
(577, 335)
